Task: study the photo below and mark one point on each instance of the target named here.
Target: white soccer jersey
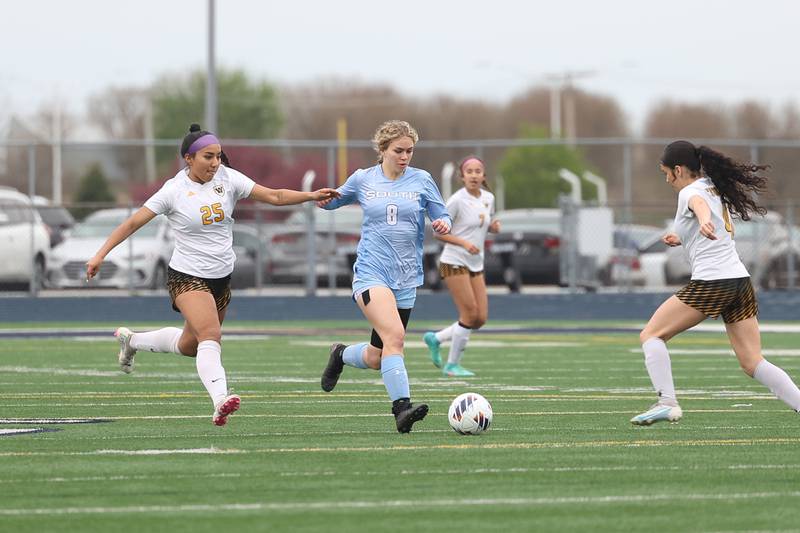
(471, 218)
(708, 259)
(200, 216)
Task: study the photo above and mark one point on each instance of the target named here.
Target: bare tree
(120, 112)
(753, 120)
(38, 131)
(669, 119)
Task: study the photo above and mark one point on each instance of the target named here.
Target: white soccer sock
(779, 383)
(209, 367)
(161, 340)
(659, 367)
(460, 339)
(444, 335)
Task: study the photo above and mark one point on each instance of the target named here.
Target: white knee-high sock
(444, 335)
(160, 340)
(659, 367)
(209, 367)
(779, 383)
(460, 339)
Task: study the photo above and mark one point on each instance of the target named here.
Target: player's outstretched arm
(120, 233)
(289, 196)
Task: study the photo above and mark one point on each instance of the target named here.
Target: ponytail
(224, 158)
(737, 183)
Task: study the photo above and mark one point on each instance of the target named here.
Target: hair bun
(194, 127)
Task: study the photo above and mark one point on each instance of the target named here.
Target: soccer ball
(470, 414)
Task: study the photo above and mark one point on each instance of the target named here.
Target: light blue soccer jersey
(393, 227)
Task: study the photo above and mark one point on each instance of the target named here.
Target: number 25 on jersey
(212, 213)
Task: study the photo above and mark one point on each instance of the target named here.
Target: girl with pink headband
(198, 203)
(461, 265)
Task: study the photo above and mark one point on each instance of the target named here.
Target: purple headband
(202, 142)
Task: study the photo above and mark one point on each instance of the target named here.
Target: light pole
(211, 75)
(562, 82)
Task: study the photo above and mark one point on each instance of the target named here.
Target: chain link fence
(609, 245)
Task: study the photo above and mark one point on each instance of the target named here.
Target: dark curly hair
(737, 183)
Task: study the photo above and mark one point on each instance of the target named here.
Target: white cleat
(658, 413)
(227, 406)
(126, 353)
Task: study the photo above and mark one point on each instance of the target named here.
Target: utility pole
(211, 76)
(56, 148)
(561, 83)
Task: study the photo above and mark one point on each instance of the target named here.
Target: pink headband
(469, 159)
(202, 142)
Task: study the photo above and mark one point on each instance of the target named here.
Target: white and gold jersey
(709, 259)
(471, 218)
(200, 216)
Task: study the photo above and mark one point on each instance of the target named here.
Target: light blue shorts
(405, 297)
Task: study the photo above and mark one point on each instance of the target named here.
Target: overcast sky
(638, 51)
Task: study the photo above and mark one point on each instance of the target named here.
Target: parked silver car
(289, 247)
(24, 240)
(141, 261)
(251, 255)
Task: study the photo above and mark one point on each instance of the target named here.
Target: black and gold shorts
(447, 270)
(734, 299)
(178, 283)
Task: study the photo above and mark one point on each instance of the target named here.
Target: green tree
(247, 109)
(93, 188)
(531, 175)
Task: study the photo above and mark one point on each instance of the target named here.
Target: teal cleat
(433, 345)
(658, 413)
(454, 370)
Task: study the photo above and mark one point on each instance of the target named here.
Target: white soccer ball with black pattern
(470, 414)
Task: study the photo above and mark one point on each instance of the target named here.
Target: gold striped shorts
(446, 270)
(178, 283)
(734, 299)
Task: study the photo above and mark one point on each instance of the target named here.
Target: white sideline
(450, 471)
(778, 352)
(303, 506)
(473, 444)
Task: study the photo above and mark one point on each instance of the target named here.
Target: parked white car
(24, 240)
(141, 261)
(638, 257)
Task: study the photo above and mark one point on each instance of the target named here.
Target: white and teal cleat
(658, 413)
(126, 353)
(433, 346)
(454, 370)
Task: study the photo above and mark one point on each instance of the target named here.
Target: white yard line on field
(780, 352)
(473, 343)
(793, 441)
(306, 506)
(435, 472)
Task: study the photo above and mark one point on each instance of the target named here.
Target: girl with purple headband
(461, 265)
(198, 203)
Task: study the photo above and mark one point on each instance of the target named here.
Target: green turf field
(560, 456)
